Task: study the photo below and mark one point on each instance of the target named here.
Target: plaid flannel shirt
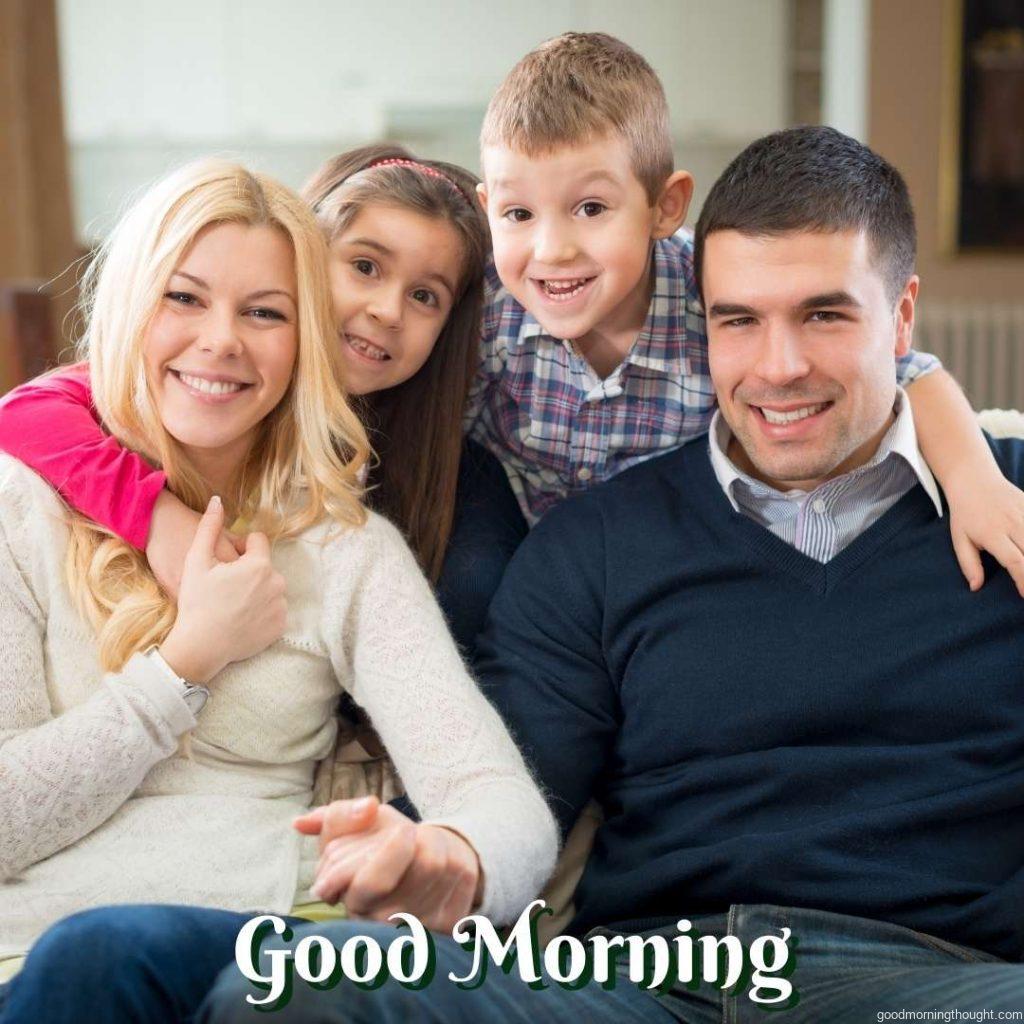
(558, 428)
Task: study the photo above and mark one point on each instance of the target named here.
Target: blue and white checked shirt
(820, 523)
(557, 428)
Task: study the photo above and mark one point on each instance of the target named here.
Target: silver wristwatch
(195, 697)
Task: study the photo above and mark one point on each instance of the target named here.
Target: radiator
(982, 346)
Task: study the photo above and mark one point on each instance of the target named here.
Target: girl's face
(221, 348)
(394, 277)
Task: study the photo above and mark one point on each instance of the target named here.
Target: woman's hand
(171, 531)
(226, 612)
(377, 861)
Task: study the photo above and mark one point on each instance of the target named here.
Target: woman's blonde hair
(306, 461)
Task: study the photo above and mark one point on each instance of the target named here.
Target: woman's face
(394, 278)
(221, 348)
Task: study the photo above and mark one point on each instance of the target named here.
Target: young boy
(594, 345)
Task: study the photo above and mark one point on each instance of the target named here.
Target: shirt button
(584, 474)
(818, 506)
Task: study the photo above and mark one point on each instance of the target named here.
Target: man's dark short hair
(814, 178)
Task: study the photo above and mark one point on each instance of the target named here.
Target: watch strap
(194, 696)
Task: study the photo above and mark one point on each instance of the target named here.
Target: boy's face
(572, 232)
(801, 340)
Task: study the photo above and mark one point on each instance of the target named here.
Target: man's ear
(481, 194)
(674, 201)
(905, 316)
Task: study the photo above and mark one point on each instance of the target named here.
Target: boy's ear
(481, 194)
(905, 316)
(674, 201)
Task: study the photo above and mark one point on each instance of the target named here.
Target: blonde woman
(159, 753)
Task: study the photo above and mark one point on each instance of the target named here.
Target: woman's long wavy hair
(416, 426)
(306, 460)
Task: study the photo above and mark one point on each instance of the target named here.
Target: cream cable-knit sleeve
(62, 776)
(392, 649)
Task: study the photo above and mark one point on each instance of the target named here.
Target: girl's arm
(50, 425)
(388, 641)
(986, 510)
(63, 775)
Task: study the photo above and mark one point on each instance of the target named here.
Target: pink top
(50, 424)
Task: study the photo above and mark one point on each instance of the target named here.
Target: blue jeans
(155, 964)
(130, 963)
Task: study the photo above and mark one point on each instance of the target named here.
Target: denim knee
(102, 933)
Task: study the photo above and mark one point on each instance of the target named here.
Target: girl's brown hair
(416, 426)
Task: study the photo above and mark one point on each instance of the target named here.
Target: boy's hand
(171, 532)
(987, 514)
(378, 861)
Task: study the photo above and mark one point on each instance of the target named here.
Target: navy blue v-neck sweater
(763, 728)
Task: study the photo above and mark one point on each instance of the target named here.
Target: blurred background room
(100, 97)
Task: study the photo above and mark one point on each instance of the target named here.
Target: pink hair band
(431, 172)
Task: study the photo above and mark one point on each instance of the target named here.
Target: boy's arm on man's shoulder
(986, 509)
(540, 659)
(914, 366)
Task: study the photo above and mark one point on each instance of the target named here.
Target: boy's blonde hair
(305, 462)
(578, 86)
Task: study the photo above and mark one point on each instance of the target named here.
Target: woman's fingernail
(358, 806)
(214, 503)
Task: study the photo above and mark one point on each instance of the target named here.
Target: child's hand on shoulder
(987, 514)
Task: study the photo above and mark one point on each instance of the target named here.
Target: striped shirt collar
(900, 441)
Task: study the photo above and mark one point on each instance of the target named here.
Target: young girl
(408, 243)
(211, 353)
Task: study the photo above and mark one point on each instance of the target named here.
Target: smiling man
(808, 290)
(797, 370)
(756, 651)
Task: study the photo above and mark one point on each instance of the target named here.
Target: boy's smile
(572, 231)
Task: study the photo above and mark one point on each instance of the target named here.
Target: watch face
(195, 698)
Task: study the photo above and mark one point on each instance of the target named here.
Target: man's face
(802, 341)
(572, 233)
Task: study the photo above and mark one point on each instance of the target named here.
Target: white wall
(284, 84)
(845, 64)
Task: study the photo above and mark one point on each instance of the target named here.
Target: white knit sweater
(98, 806)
